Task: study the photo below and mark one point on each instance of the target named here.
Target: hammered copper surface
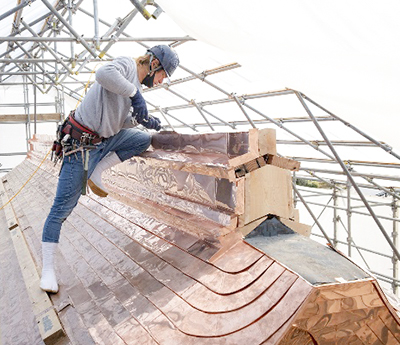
(168, 268)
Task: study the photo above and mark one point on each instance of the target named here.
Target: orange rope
(26, 181)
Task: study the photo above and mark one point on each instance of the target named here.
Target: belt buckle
(86, 138)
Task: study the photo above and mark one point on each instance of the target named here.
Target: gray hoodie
(106, 108)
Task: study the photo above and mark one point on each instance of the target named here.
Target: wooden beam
(46, 317)
(24, 118)
(10, 217)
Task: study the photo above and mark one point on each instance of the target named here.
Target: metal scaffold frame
(34, 56)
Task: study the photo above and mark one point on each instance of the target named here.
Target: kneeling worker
(102, 124)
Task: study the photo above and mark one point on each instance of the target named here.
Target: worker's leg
(124, 145)
(67, 196)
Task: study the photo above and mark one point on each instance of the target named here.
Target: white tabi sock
(94, 182)
(49, 281)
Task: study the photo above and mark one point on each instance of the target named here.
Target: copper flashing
(167, 264)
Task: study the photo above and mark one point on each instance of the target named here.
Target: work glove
(140, 112)
(152, 123)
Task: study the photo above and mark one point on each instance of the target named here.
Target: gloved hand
(152, 123)
(140, 112)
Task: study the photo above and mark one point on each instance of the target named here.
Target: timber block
(267, 141)
(46, 317)
(10, 216)
(268, 190)
(300, 228)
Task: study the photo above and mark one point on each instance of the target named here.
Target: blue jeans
(126, 144)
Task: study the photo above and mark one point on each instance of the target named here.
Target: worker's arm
(113, 76)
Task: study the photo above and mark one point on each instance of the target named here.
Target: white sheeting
(343, 54)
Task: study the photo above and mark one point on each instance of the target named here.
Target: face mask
(149, 81)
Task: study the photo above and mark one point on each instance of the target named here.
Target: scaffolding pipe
(354, 212)
(47, 47)
(312, 214)
(40, 67)
(348, 212)
(357, 174)
(72, 44)
(166, 113)
(16, 8)
(69, 27)
(385, 147)
(121, 29)
(358, 247)
(244, 111)
(350, 177)
(202, 114)
(351, 162)
(335, 217)
(395, 237)
(96, 24)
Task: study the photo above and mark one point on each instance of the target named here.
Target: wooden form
(47, 320)
(24, 118)
(10, 216)
(231, 179)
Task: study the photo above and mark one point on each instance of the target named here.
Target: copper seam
(93, 299)
(163, 284)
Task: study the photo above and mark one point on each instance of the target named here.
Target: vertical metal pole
(96, 24)
(34, 103)
(349, 177)
(73, 63)
(26, 108)
(349, 239)
(294, 180)
(335, 216)
(395, 237)
(62, 113)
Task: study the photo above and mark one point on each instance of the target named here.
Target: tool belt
(70, 135)
(73, 137)
(80, 132)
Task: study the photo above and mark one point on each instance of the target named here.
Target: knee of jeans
(146, 141)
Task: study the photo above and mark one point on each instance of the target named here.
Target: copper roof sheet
(148, 269)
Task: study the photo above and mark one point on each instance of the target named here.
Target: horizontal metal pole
(384, 146)
(355, 246)
(339, 195)
(350, 162)
(7, 154)
(91, 39)
(336, 172)
(15, 9)
(357, 212)
(50, 60)
(64, 82)
(20, 105)
(39, 73)
(339, 182)
(335, 143)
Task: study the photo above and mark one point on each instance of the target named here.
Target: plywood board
(267, 141)
(10, 217)
(49, 325)
(268, 190)
(300, 228)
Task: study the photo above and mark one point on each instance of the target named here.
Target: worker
(102, 125)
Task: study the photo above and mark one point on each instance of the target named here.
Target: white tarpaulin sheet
(343, 54)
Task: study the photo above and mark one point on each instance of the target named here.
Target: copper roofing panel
(140, 268)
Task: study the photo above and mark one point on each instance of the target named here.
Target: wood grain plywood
(268, 190)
